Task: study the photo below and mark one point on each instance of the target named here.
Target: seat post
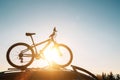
(32, 39)
(33, 43)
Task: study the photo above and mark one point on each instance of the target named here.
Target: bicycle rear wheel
(20, 55)
(65, 55)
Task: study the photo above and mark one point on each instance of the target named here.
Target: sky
(91, 28)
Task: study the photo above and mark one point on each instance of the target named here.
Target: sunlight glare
(52, 55)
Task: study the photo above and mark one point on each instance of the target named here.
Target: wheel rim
(65, 58)
(13, 55)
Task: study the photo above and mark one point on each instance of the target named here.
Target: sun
(52, 55)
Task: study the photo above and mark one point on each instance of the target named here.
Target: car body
(45, 74)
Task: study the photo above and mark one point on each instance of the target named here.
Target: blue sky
(91, 28)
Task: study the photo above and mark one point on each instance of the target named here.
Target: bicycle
(20, 55)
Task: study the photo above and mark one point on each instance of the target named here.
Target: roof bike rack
(75, 68)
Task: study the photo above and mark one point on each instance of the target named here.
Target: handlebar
(54, 30)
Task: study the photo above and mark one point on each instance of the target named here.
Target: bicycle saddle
(30, 34)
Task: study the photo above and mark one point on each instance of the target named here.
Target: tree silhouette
(109, 76)
(118, 77)
(104, 77)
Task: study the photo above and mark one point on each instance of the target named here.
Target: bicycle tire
(69, 54)
(15, 46)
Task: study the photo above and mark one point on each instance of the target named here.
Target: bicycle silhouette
(20, 55)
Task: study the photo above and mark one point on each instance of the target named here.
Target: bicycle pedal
(37, 56)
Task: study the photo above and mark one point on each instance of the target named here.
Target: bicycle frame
(48, 41)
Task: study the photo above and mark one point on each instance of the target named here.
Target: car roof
(44, 74)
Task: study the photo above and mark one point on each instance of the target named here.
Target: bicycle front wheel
(20, 55)
(65, 55)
